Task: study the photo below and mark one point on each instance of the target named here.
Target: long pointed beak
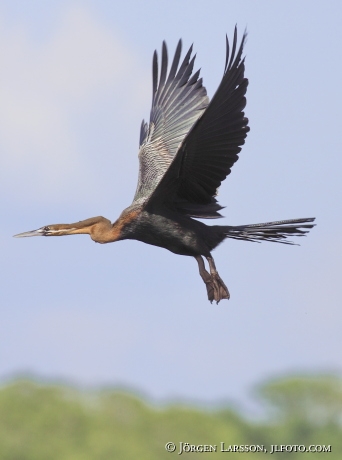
(38, 232)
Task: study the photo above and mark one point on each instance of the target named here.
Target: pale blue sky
(75, 85)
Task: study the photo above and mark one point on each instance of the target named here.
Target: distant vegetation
(47, 422)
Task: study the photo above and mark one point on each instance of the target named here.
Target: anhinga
(186, 151)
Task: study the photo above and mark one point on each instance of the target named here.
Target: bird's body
(186, 151)
(170, 230)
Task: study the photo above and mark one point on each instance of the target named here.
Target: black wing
(208, 152)
(179, 99)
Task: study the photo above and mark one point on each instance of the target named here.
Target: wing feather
(178, 100)
(208, 152)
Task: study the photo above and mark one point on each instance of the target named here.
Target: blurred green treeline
(48, 422)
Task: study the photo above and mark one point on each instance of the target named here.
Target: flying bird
(186, 150)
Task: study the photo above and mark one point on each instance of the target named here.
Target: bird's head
(99, 228)
(50, 230)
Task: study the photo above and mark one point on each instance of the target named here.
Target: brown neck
(99, 228)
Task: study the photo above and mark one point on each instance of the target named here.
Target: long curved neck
(101, 230)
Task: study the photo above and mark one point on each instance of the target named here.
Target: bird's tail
(270, 231)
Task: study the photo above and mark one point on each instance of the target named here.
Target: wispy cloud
(45, 85)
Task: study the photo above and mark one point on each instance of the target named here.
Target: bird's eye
(46, 229)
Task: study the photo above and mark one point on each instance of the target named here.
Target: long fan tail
(277, 231)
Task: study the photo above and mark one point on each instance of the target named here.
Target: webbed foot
(216, 289)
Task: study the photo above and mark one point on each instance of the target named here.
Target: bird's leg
(206, 278)
(218, 286)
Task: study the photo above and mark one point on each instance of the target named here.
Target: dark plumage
(186, 151)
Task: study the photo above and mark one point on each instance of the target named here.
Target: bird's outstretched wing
(210, 149)
(178, 100)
